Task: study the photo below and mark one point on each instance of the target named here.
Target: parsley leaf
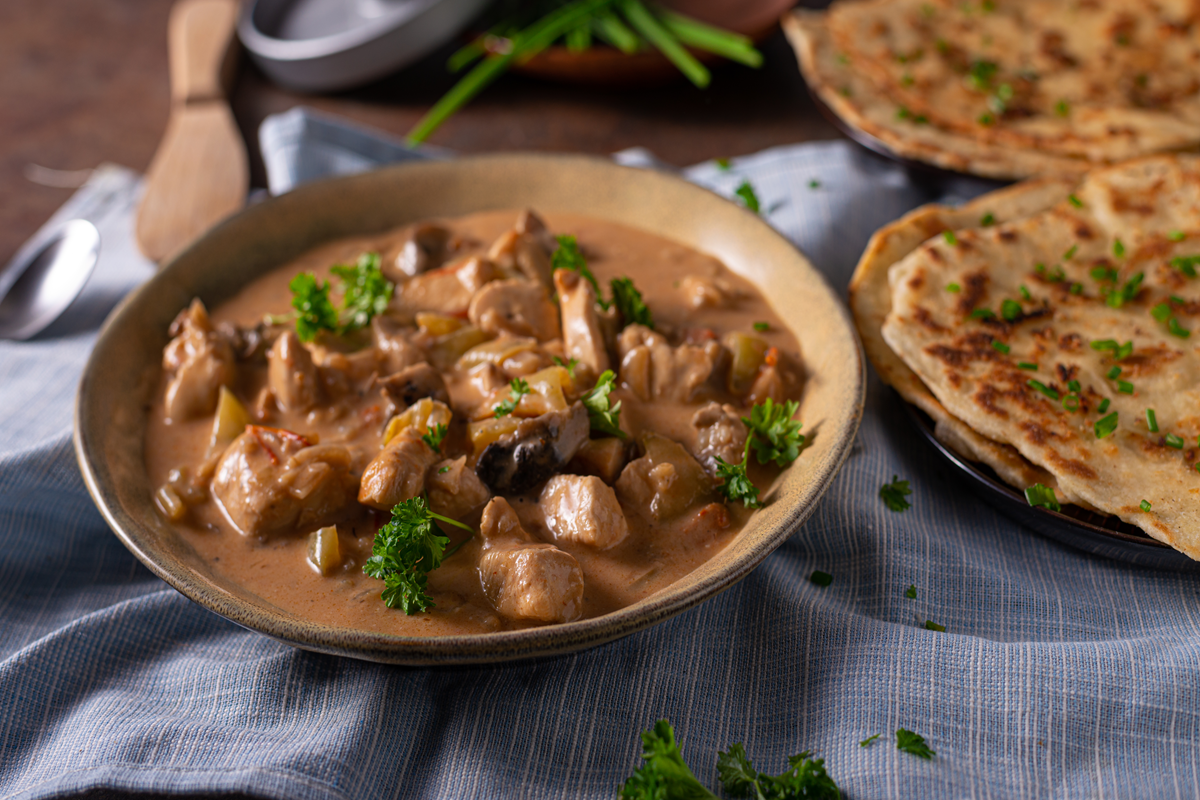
(405, 551)
(774, 435)
(893, 494)
(914, 743)
(869, 739)
(434, 436)
(365, 291)
(664, 774)
(629, 302)
(604, 415)
(517, 389)
(805, 777)
(820, 578)
(911, 592)
(568, 256)
(735, 483)
(314, 310)
(749, 198)
(568, 365)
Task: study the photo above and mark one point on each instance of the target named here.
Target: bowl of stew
(488, 409)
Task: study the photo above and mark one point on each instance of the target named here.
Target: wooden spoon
(200, 174)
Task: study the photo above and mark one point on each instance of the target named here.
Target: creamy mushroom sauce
(693, 298)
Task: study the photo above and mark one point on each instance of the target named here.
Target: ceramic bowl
(122, 375)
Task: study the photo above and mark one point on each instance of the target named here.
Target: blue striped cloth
(1058, 675)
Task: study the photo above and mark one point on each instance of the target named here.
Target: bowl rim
(464, 648)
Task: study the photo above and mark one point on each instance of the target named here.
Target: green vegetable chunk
(1042, 496)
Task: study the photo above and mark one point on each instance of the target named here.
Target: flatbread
(1132, 219)
(1104, 80)
(860, 105)
(871, 302)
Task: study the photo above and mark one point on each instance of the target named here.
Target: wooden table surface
(86, 82)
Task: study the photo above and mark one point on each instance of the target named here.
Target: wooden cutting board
(200, 173)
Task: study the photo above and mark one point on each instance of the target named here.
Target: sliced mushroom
(582, 336)
(538, 448)
(516, 306)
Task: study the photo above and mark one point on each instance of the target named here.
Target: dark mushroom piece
(412, 383)
(540, 447)
(425, 249)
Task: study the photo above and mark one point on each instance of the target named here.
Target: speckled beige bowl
(124, 369)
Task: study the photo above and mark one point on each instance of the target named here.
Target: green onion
(1176, 236)
(694, 33)
(1001, 346)
(949, 237)
(1071, 402)
(986, 119)
(644, 23)
(1104, 405)
(930, 625)
(1114, 372)
(983, 313)
(1075, 201)
(1106, 425)
(1173, 441)
(1175, 329)
(1124, 387)
(1025, 293)
(1161, 312)
(1067, 256)
(1124, 351)
(1043, 388)
(953, 287)
(1029, 365)
(1076, 288)
(1151, 420)
(1073, 386)
(1186, 264)
(1177, 299)
(1118, 248)
(987, 219)
(1104, 344)
(1042, 496)
(1062, 108)
(579, 38)
(1010, 309)
(1103, 274)
(611, 29)
(821, 578)
(1145, 504)
(762, 326)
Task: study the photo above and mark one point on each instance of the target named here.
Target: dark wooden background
(85, 81)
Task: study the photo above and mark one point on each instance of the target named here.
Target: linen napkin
(1058, 674)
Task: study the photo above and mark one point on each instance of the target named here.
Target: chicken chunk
(665, 482)
(398, 472)
(538, 447)
(454, 489)
(271, 482)
(583, 338)
(583, 509)
(653, 369)
(292, 374)
(200, 361)
(516, 306)
(720, 433)
(396, 351)
(448, 290)
(524, 579)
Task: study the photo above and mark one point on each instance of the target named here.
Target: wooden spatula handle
(200, 38)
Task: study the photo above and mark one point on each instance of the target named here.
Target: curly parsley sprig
(405, 551)
(604, 415)
(568, 256)
(735, 482)
(628, 300)
(365, 293)
(517, 389)
(774, 434)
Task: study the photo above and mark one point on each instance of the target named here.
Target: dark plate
(1084, 530)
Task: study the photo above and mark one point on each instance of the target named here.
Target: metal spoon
(36, 289)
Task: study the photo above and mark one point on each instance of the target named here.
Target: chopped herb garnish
(1186, 264)
(628, 301)
(953, 287)
(1145, 505)
(314, 310)
(1104, 344)
(1124, 387)
(987, 219)
(1001, 346)
(518, 388)
(1041, 387)
(1175, 329)
(1062, 108)
(893, 494)
(930, 625)
(405, 551)
(1161, 312)
(1113, 372)
(1073, 386)
(602, 413)
(1171, 440)
(434, 437)
(1106, 425)
(1067, 256)
(983, 313)
(1010, 309)
(773, 433)
(1177, 300)
(804, 778)
(568, 365)
(1117, 299)
(949, 237)
(814, 184)
(1042, 496)
(1151, 420)
(1075, 201)
(1104, 274)
(1070, 402)
(981, 73)
(735, 482)
(914, 743)
(1029, 365)
(568, 256)
(1104, 404)
(1076, 288)
(722, 163)
(869, 739)
(820, 578)
(749, 198)
(1124, 351)
(1118, 248)
(365, 292)
(1025, 293)
(762, 327)
(444, 470)
(911, 592)
(1176, 236)
(986, 119)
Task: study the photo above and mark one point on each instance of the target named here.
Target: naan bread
(1046, 279)
(1009, 88)
(871, 301)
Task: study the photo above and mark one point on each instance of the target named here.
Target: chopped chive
(869, 739)
(1042, 496)
(1145, 504)
(1104, 344)
(1118, 248)
(1070, 402)
(1114, 372)
(1062, 108)
(722, 163)
(1151, 420)
(1173, 441)
(911, 592)
(1103, 274)
(1106, 425)
(1025, 293)
(1071, 253)
(1043, 388)
(953, 287)
(1073, 386)
(821, 578)
(1177, 299)
(983, 313)
(814, 184)
(1161, 312)
(1076, 288)
(1001, 346)
(1124, 351)
(1176, 236)
(1029, 365)
(1104, 405)
(1010, 309)
(1124, 387)
(986, 119)
(762, 326)
(1175, 329)
(1186, 264)
(1039, 268)
(930, 625)
(987, 219)
(950, 238)
(1075, 201)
